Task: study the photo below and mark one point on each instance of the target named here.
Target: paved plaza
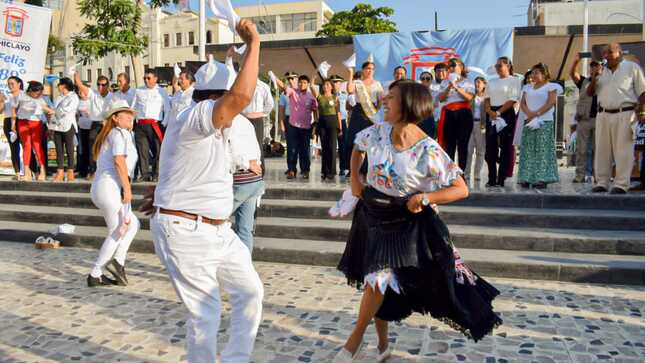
(48, 315)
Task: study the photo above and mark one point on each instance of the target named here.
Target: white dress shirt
(128, 96)
(262, 102)
(65, 116)
(501, 90)
(180, 101)
(244, 144)
(98, 104)
(622, 87)
(151, 103)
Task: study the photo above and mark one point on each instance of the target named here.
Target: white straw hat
(117, 106)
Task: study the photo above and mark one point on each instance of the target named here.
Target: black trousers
(82, 153)
(499, 147)
(343, 144)
(358, 122)
(299, 143)
(328, 132)
(457, 128)
(65, 140)
(148, 147)
(13, 146)
(258, 125)
(429, 127)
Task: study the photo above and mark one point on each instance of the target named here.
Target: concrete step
(16, 203)
(623, 242)
(555, 266)
(533, 199)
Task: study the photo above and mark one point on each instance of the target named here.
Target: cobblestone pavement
(48, 315)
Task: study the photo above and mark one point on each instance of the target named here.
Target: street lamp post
(585, 38)
(202, 30)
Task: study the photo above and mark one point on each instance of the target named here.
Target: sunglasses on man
(426, 78)
(101, 84)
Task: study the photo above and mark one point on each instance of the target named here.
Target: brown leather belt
(192, 217)
(617, 110)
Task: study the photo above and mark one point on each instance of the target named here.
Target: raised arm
(241, 93)
(350, 82)
(83, 90)
(573, 72)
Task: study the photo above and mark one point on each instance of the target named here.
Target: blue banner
(419, 51)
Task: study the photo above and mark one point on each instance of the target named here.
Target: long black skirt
(418, 249)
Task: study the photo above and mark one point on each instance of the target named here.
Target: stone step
(533, 199)
(16, 202)
(534, 265)
(622, 242)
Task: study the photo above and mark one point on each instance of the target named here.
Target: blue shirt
(342, 100)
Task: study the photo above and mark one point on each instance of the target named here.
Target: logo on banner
(427, 58)
(14, 21)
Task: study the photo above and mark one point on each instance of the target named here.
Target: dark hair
(543, 69)
(151, 71)
(327, 80)
(189, 75)
(506, 60)
(35, 86)
(454, 61)
(527, 75)
(357, 75)
(440, 66)
(200, 95)
(21, 85)
(400, 67)
(481, 79)
(303, 78)
(426, 72)
(367, 64)
(416, 100)
(102, 78)
(67, 83)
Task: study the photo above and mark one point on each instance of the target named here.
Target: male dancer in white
(194, 199)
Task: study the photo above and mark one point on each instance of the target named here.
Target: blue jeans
(245, 197)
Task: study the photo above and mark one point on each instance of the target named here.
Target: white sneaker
(344, 356)
(383, 357)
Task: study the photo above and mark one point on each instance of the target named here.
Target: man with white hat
(193, 202)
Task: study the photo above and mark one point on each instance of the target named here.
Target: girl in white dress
(116, 157)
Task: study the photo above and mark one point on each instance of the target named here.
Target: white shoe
(344, 356)
(383, 357)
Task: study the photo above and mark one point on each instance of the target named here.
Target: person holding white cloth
(621, 95)
(62, 128)
(193, 202)
(116, 157)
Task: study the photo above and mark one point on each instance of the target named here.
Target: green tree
(362, 19)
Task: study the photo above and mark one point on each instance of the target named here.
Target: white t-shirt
(195, 165)
(536, 98)
(244, 144)
(28, 108)
(128, 96)
(424, 167)
(179, 101)
(453, 96)
(501, 90)
(65, 117)
(477, 110)
(84, 121)
(118, 142)
(98, 104)
(9, 101)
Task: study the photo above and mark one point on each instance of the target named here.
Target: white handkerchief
(453, 77)
(224, 10)
(323, 68)
(240, 50)
(274, 79)
(499, 124)
(13, 137)
(350, 62)
(535, 124)
(124, 218)
(177, 70)
(477, 70)
(344, 206)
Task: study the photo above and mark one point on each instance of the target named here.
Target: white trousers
(476, 144)
(106, 196)
(200, 258)
(614, 144)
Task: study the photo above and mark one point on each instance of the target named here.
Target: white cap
(117, 106)
(214, 76)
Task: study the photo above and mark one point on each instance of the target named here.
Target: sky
(414, 15)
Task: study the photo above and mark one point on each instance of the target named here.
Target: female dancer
(367, 92)
(329, 126)
(501, 96)
(116, 157)
(15, 88)
(30, 108)
(538, 161)
(456, 121)
(398, 249)
(62, 127)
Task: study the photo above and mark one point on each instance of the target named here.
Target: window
(209, 37)
(265, 24)
(127, 70)
(89, 75)
(99, 72)
(146, 67)
(178, 39)
(191, 38)
(303, 22)
(166, 40)
(166, 65)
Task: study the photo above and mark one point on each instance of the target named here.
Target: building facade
(554, 13)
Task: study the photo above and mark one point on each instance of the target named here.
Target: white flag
(323, 68)
(240, 50)
(177, 70)
(224, 10)
(350, 62)
(274, 79)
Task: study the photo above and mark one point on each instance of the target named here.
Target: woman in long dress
(399, 251)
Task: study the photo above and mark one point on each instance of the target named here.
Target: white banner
(24, 31)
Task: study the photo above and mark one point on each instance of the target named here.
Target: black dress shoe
(525, 185)
(540, 185)
(305, 175)
(599, 189)
(118, 272)
(617, 191)
(491, 185)
(291, 175)
(100, 281)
